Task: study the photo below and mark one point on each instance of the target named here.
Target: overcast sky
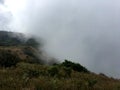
(85, 31)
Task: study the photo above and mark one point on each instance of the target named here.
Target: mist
(84, 31)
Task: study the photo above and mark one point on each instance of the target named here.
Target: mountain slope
(17, 45)
(27, 76)
(16, 39)
(22, 68)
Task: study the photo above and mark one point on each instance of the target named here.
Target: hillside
(19, 46)
(27, 76)
(22, 67)
(16, 39)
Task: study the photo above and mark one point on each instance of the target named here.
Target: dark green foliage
(31, 73)
(64, 72)
(8, 59)
(52, 71)
(68, 71)
(65, 69)
(59, 71)
(74, 66)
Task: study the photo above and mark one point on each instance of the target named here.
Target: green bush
(8, 59)
(32, 70)
(74, 66)
(53, 70)
(64, 72)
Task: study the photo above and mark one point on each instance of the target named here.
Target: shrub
(31, 55)
(53, 70)
(92, 82)
(64, 72)
(74, 66)
(8, 59)
(32, 70)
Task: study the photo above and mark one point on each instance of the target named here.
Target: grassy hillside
(20, 47)
(22, 69)
(22, 53)
(41, 77)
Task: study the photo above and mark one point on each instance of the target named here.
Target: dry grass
(36, 77)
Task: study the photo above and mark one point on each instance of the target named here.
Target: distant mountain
(16, 39)
(10, 38)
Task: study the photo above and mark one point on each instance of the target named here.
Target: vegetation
(27, 76)
(8, 59)
(21, 69)
(15, 54)
(32, 42)
(74, 66)
(17, 39)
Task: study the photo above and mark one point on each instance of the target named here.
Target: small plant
(91, 82)
(68, 71)
(8, 59)
(52, 71)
